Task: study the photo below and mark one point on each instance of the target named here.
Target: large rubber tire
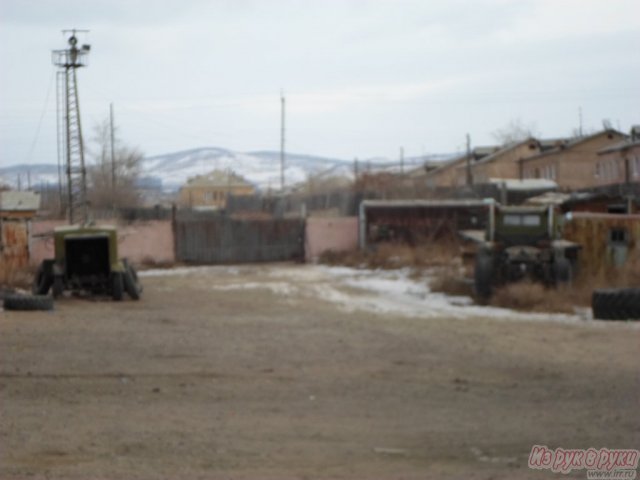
(616, 304)
(58, 286)
(28, 302)
(117, 286)
(562, 271)
(131, 284)
(43, 279)
(484, 275)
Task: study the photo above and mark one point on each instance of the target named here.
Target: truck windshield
(514, 220)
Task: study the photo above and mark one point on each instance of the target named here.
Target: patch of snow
(384, 292)
(182, 271)
(279, 288)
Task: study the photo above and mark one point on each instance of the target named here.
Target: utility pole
(355, 173)
(113, 158)
(469, 176)
(282, 130)
(580, 122)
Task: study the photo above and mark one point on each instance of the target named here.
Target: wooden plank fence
(226, 240)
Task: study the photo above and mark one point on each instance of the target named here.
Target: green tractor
(86, 260)
(523, 242)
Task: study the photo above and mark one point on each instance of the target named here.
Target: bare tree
(112, 181)
(515, 131)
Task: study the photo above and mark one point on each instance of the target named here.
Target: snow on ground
(182, 271)
(376, 291)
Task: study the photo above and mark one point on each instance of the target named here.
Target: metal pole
(113, 160)
(282, 106)
(68, 148)
(469, 176)
(60, 116)
(83, 171)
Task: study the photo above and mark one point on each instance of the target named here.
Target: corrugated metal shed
(415, 221)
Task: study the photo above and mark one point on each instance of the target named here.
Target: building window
(636, 169)
(207, 196)
(619, 208)
(618, 236)
(598, 170)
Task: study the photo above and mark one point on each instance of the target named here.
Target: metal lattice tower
(70, 144)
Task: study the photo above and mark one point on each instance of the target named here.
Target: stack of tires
(616, 304)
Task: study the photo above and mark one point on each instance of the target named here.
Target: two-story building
(504, 163)
(211, 191)
(573, 165)
(620, 162)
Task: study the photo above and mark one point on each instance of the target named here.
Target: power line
(42, 114)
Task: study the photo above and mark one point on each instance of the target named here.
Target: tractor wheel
(117, 286)
(28, 302)
(562, 271)
(43, 279)
(616, 304)
(58, 286)
(483, 275)
(131, 284)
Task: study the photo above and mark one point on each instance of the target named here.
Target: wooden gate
(226, 240)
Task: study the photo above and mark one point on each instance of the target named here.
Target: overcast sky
(361, 78)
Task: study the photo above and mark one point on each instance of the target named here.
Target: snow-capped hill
(262, 168)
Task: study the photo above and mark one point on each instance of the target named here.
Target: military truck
(86, 260)
(523, 242)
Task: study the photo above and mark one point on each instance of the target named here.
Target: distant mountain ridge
(262, 168)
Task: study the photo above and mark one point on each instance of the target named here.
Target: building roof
(559, 198)
(547, 144)
(444, 203)
(620, 146)
(14, 201)
(218, 178)
(477, 154)
(507, 148)
(573, 144)
(528, 184)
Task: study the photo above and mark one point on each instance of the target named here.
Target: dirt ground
(259, 372)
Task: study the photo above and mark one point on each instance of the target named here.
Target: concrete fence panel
(337, 234)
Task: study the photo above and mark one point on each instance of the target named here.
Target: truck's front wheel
(562, 271)
(117, 286)
(483, 275)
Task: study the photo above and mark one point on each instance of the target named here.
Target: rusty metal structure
(608, 240)
(17, 210)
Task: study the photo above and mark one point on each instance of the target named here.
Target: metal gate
(227, 240)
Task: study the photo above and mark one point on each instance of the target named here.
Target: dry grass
(534, 297)
(452, 281)
(393, 255)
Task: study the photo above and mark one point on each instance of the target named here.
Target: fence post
(174, 231)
